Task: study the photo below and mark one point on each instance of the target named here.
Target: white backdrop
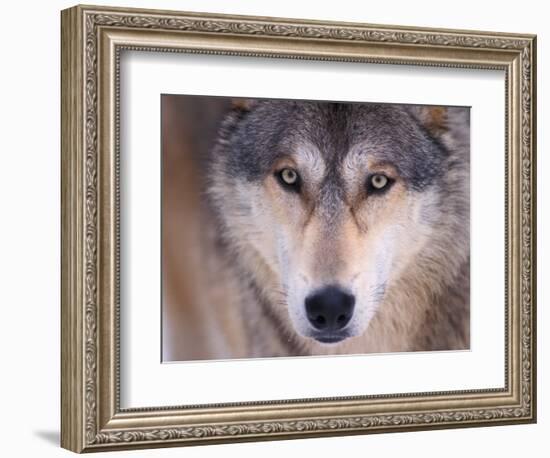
(146, 76)
(29, 242)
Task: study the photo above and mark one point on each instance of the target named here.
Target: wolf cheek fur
(339, 265)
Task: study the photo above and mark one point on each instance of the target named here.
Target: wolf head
(326, 207)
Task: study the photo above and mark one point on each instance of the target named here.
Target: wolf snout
(329, 310)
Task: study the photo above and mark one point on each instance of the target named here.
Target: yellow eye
(289, 176)
(379, 181)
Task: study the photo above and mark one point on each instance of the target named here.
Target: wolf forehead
(255, 137)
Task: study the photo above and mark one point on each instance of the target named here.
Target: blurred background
(189, 126)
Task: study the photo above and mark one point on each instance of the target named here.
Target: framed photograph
(277, 228)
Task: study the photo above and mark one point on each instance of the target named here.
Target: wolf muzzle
(329, 310)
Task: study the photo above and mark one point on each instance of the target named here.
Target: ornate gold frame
(92, 39)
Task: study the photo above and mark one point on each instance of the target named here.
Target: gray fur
(270, 128)
(423, 305)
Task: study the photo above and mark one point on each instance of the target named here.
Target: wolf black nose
(330, 309)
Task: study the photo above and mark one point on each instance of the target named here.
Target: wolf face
(326, 206)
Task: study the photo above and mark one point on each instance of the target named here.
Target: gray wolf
(340, 228)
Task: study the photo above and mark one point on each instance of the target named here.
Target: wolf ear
(435, 119)
(243, 105)
(237, 110)
(449, 125)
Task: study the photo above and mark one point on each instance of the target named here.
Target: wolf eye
(289, 178)
(378, 182)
